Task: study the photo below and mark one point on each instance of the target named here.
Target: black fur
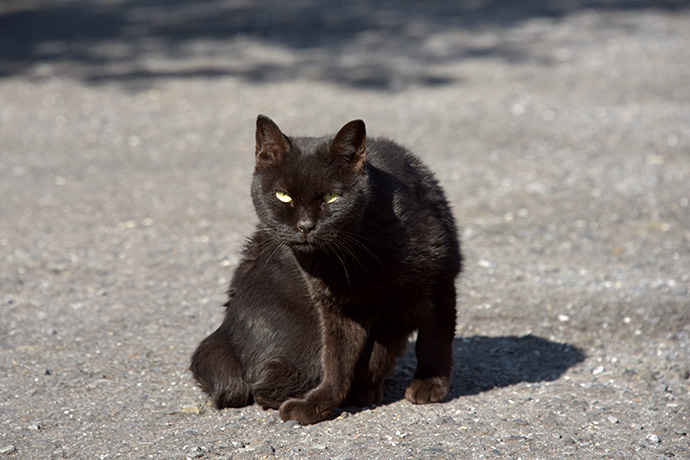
(330, 289)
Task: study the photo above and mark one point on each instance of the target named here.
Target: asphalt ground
(560, 131)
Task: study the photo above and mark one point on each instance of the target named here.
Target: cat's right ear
(271, 143)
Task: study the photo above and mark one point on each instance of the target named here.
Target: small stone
(653, 438)
(680, 432)
(265, 450)
(612, 419)
(292, 424)
(8, 449)
(57, 268)
(270, 421)
(444, 420)
(8, 300)
(199, 452)
(190, 410)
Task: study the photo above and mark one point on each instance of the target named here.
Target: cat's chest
(327, 283)
(332, 281)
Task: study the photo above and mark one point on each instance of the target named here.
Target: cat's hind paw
(430, 390)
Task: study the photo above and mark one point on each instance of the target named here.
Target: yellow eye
(284, 197)
(330, 197)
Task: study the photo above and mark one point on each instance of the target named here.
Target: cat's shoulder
(386, 149)
(387, 154)
(260, 249)
(394, 158)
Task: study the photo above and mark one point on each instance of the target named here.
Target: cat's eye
(330, 197)
(284, 197)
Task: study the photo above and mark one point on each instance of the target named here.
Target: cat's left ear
(350, 144)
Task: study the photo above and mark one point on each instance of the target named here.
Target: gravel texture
(560, 130)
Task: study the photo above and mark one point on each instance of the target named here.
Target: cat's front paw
(300, 410)
(431, 390)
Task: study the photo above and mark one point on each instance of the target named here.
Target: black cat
(356, 249)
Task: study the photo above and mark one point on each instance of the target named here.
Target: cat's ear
(350, 144)
(271, 143)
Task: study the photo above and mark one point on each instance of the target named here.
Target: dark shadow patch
(374, 45)
(484, 363)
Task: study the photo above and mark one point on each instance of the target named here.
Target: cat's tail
(219, 373)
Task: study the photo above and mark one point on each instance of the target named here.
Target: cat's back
(391, 157)
(408, 188)
(400, 172)
(403, 169)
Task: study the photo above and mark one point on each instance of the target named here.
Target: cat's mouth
(302, 244)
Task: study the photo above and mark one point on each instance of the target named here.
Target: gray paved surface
(561, 131)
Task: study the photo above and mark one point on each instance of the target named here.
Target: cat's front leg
(343, 339)
(434, 348)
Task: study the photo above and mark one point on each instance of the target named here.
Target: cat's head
(310, 191)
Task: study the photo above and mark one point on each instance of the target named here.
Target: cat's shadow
(483, 363)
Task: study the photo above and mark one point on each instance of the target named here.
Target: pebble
(265, 450)
(653, 438)
(445, 419)
(8, 449)
(199, 452)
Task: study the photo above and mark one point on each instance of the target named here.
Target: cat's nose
(306, 225)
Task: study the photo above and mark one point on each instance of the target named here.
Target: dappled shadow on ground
(484, 363)
(361, 43)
